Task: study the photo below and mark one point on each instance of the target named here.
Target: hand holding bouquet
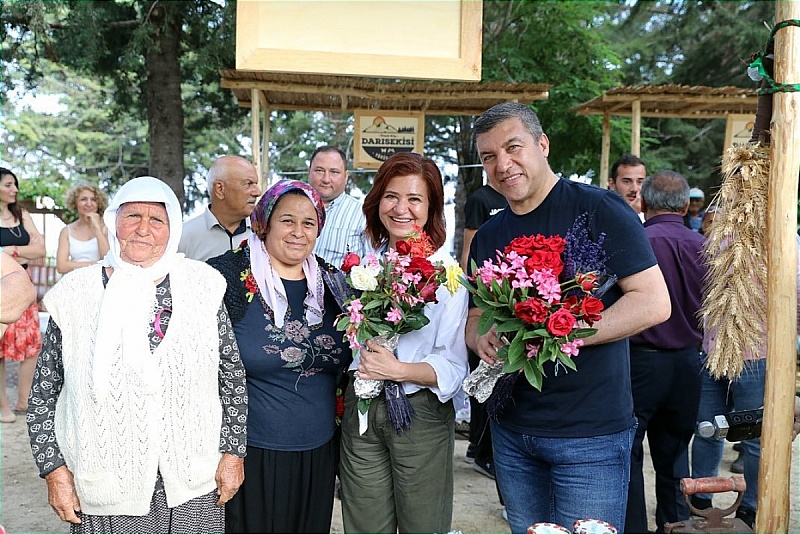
(542, 295)
(394, 291)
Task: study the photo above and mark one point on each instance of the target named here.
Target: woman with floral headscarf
(138, 411)
(283, 302)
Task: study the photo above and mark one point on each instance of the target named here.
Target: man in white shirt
(232, 191)
(344, 221)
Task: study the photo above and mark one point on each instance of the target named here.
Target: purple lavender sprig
(583, 254)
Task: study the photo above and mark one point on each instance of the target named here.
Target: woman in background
(85, 240)
(22, 339)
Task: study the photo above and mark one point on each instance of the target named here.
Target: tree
(688, 43)
(556, 43)
(161, 57)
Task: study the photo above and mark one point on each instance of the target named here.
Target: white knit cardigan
(166, 419)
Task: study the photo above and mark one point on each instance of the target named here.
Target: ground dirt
(24, 508)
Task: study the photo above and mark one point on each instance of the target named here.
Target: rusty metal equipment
(711, 519)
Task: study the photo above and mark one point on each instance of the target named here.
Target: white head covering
(130, 296)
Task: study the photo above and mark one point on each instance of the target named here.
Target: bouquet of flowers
(542, 293)
(393, 292)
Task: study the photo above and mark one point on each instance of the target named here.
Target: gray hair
(505, 111)
(665, 191)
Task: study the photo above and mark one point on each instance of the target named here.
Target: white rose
(364, 278)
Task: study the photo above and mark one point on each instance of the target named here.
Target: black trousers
(666, 394)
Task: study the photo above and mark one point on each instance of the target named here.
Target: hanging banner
(379, 134)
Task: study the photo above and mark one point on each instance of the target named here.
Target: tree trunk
(163, 95)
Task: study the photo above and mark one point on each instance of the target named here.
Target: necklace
(18, 233)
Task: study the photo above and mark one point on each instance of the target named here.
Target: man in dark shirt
(562, 453)
(665, 359)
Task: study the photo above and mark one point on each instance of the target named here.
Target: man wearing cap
(694, 217)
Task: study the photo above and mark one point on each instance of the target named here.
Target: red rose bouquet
(393, 293)
(542, 294)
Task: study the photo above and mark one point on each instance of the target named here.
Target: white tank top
(83, 250)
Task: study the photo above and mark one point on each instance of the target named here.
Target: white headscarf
(130, 296)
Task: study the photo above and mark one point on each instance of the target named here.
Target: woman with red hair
(402, 480)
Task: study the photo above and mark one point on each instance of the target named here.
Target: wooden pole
(605, 151)
(265, 173)
(255, 133)
(776, 439)
(636, 127)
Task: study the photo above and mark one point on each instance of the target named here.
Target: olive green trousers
(402, 482)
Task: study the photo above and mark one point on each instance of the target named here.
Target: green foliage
(557, 43)
(687, 43)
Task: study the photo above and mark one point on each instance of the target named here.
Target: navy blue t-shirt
(291, 373)
(595, 399)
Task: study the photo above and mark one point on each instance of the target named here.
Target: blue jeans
(560, 480)
(718, 397)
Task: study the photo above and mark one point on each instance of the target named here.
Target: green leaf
(485, 322)
(583, 332)
(513, 364)
(518, 343)
(363, 405)
(511, 325)
(566, 360)
(534, 375)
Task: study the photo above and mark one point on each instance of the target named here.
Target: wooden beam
(337, 109)
(393, 93)
(776, 439)
(605, 151)
(636, 127)
(670, 114)
(683, 98)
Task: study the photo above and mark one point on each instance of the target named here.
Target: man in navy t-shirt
(563, 453)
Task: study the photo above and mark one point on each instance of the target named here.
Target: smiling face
(8, 189)
(404, 204)
(516, 163)
(86, 202)
(142, 232)
(291, 234)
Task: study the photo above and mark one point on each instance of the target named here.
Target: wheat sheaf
(735, 303)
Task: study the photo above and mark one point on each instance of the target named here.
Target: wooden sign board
(434, 40)
(738, 130)
(379, 134)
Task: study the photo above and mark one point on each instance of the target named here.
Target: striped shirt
(343, 231)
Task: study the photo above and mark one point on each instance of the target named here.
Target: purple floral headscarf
(262, 211)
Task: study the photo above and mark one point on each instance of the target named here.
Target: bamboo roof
(345, 94)
(677, 101)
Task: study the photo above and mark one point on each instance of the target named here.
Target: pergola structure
(673, 101)
(263, 90)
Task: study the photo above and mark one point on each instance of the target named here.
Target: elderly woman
(283, 303)
(138, 411)
(85, 240)
(404, 481)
